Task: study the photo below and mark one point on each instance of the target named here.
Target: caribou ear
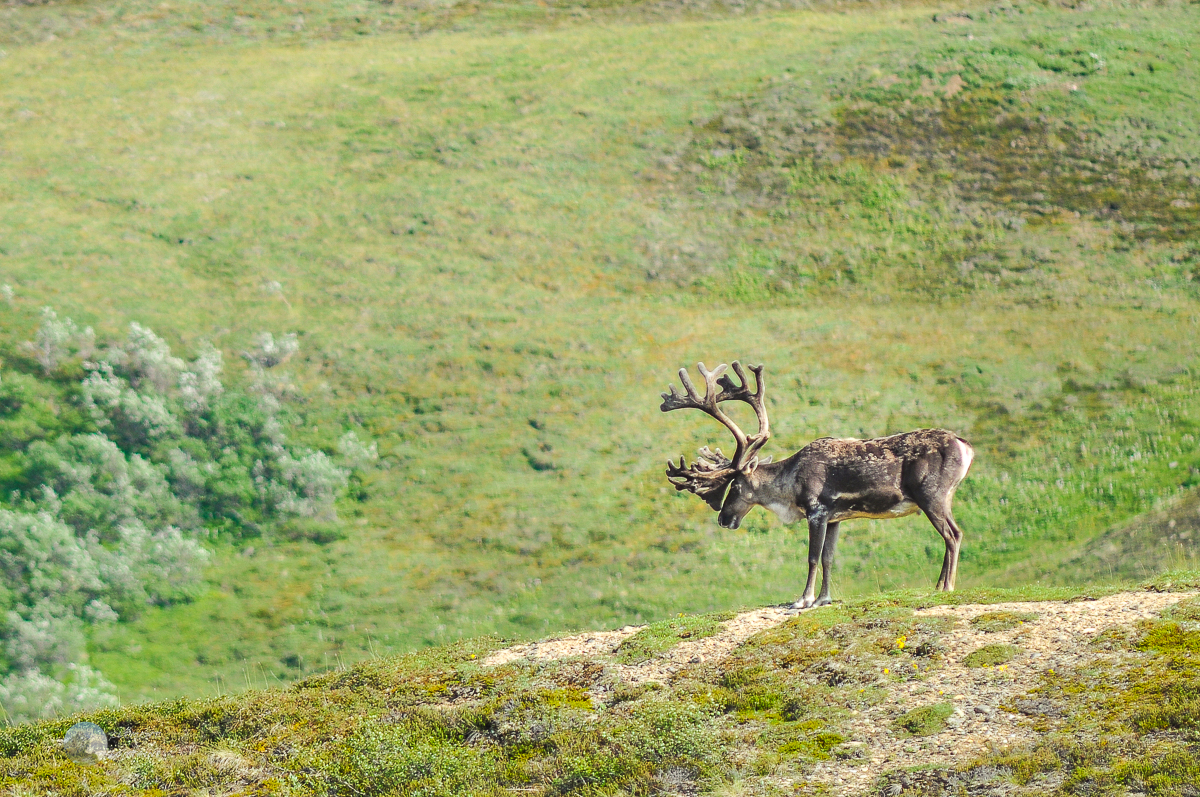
(750, 466)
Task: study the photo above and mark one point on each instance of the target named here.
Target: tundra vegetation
(111, 501)
(496, 230)
(440, 722)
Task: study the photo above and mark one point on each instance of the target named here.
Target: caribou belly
(899, 509)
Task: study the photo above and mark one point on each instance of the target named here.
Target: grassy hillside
(498, 241)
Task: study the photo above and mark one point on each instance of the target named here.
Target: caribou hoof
(822, 602)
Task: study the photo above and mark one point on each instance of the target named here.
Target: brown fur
(828, 481)
(836, 479)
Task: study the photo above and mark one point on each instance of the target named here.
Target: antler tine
(735, 392)
(691, 399)
(714, 392)
(707, 477)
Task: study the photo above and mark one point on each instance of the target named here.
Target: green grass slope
(498, 243)
(1164, 539)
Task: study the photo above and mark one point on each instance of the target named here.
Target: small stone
(85, 743)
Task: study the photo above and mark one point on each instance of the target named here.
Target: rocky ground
(899, 695)
(992, 708)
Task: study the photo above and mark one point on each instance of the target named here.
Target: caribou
(826, 482)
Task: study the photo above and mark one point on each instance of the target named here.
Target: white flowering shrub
(41, 559)
(136, 419)
(199, 385)
(304, 488)
(269, 351)
(146, 360)
(355, 454)
(43, 635)
(56, 339)
(145, 567)
(30, 696)
(106, 520)
(93, 486)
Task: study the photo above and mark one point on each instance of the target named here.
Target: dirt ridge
(991, 708)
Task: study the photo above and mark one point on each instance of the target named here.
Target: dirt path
(733, 633)
(1055, 640)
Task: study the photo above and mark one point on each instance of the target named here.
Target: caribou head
(730, 486)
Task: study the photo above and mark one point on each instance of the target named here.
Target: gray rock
(85, 743)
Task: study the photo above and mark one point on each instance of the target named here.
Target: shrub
(57, 339)
(103, 516)
(30, 696)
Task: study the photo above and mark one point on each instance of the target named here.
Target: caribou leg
(958, 535)
(931, 483)
(939, 516)
(817, 524)
(827, 552)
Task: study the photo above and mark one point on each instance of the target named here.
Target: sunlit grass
(462, 226)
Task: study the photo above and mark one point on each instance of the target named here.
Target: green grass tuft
(994, 622)
(991, 655)
(926, 720)
(657, 638)
(1174, 581)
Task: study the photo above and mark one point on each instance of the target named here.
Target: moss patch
(1140, 713)
(1187, 611)
(1170, 637)
(993, 622)
(991, 655)
(926, 720)
(658, 638)
(1174, 581)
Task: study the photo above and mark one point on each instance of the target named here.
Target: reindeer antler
(710, 474)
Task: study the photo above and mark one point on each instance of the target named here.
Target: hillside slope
(1163, 539)
(904, 694)
(497, 242)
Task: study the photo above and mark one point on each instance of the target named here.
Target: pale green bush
(56, 339)
(30, 696)
(355, 454)
(106, 523)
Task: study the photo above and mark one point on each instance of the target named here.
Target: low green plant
(1170, 637)
(991, 655)
(925, 720)
(995, 622)
(1186, 611)
(657, 638)
(1174, 581)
